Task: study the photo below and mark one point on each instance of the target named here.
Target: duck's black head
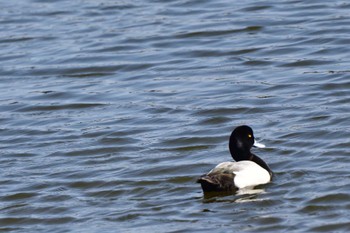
(241, 141)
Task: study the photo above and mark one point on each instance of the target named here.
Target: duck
(247, 171)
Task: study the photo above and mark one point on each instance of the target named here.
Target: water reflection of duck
(248, 171)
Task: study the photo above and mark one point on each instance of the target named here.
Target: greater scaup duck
(248, 171)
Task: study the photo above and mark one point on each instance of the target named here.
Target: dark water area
(110, 110)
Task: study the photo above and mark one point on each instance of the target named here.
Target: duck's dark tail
(208, 185)
(217, 182)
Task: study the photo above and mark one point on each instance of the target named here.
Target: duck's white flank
(247, 173)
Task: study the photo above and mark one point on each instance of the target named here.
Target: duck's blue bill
(258, 145)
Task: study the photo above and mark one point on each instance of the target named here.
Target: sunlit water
(110, 110)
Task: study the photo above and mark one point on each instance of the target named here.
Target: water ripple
(109, 112)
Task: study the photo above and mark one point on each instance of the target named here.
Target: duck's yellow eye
(249, 135)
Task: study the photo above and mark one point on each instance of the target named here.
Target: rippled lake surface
(110, 110)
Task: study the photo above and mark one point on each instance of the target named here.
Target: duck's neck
(261, 163)
(238, 155)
